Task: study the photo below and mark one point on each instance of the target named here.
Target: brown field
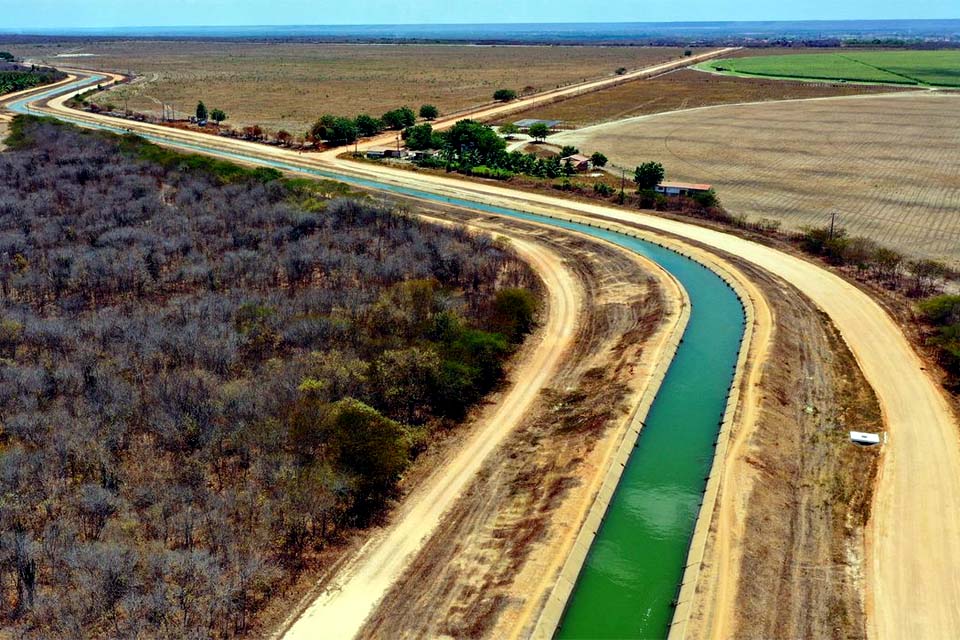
(888, 165)
(283, 85)
(682, 89)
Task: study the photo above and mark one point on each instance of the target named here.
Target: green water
(633, 569)
(632, 572)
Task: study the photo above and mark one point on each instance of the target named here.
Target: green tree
(648, 175)
(598, 159)
(374, 448)
(399, 118)
(539, 131)
(342, 131)
(368, 125)
(6, 56)
(201, 111)
(568, 150)
(508, 130)
(514, 310)
(429, 112)
(218, 115)
(504, 95)
(473, 143)
(419, 136)
(621, 71)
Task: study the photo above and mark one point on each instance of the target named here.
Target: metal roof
(693, 186)
(529, 122)
(865, 438)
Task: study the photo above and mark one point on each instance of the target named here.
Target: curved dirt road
(913, 572)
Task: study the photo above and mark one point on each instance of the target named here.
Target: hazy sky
(52, 14)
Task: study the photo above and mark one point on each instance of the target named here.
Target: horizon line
(25, 30)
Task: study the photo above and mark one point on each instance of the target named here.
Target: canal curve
(630, 579)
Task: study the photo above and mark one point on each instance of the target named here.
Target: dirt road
(913, 572)
(913, 539)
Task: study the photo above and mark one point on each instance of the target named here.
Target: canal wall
(553, 609)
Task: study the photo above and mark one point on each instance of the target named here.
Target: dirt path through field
(913, 572)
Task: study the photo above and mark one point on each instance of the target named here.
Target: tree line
(209, 373)
(18, 77)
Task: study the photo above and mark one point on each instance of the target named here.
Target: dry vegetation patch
(289, 85)
(682, 89)
(887, 164)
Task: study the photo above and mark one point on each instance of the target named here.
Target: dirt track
(913, 537)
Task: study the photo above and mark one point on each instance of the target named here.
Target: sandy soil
(913, 536)
(683, 89)
(887, 164)
(791, 476)
(489, 568)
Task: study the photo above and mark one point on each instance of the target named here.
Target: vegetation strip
(927, 68)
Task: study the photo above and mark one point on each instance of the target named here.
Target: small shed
(375, 154)
(681, 188)
(860, 437)
(424, 154)
(581, 163)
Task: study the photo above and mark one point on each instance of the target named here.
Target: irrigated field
(897, 67)
(888, 165)
(288, 86)
(681, 89)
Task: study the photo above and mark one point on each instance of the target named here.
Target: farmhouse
(681, 188)
(580, 163)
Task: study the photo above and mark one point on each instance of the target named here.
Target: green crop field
(940, 68)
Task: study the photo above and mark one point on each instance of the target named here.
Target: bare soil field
(798, 491)
(289, 85)
(886, 164)
(681, 89)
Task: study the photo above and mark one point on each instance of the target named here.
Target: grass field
(888, 165)
(289, 85)
(934, 68)
(682, 89)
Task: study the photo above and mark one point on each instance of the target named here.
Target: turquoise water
(631, 575)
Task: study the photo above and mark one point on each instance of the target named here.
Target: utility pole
(623, 182)
(833, 219)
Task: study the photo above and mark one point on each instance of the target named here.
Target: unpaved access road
(913, 572)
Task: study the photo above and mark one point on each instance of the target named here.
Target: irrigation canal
(630, 579)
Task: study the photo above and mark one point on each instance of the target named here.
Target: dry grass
(288, 85)
(681, 89)
(887, 164)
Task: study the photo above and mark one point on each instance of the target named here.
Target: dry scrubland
(682, 89)
(290, 85)
(887, 164)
